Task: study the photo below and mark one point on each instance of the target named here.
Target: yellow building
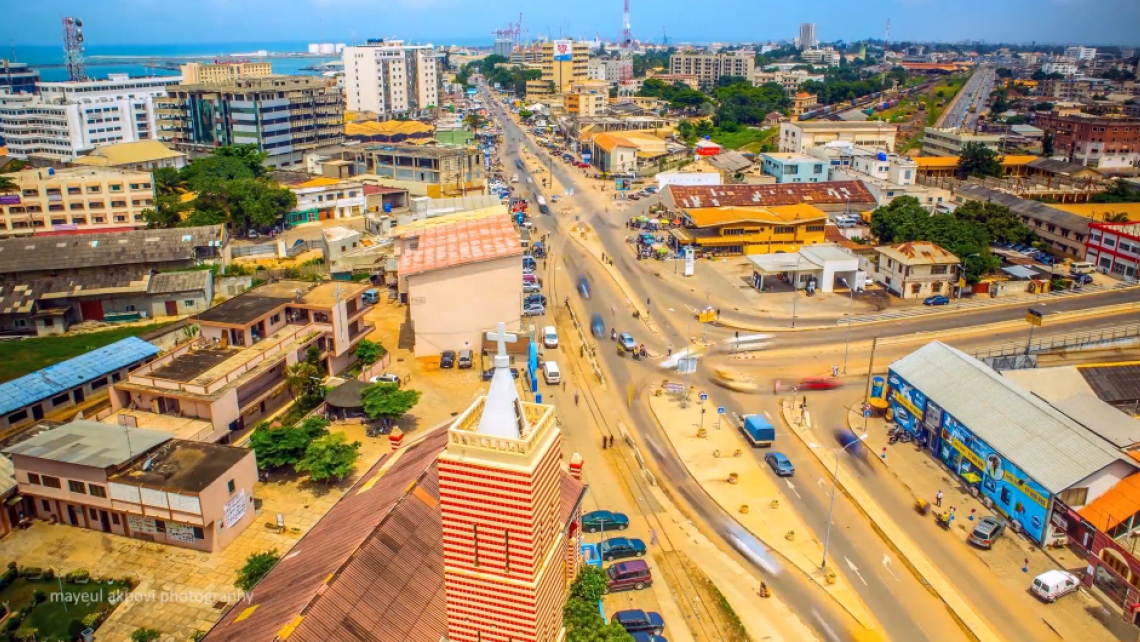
(752, 230)
(947, 166)
(412, 132)
(559, 75)
(197, 73)
(1101, 211)
(588, 98)
(75, 199)
(803, 102)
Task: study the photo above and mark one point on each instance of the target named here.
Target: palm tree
(7, 184)
(169, 182)
(1116, 217)
(474, 121)
(301, 378)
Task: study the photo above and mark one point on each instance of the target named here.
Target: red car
(819, 383)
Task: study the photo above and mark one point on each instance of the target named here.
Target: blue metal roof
(52, 380)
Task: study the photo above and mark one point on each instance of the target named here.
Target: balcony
(362, 331)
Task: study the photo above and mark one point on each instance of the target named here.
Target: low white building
(331, 198)
(68, 119)
(949, 141)
(817, 267)
(800, 136)
(887, 176)
(917, 270)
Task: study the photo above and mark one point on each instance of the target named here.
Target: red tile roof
(828, 193)
(572, 492)
(370, 190)
(462, 242)
(380, 541)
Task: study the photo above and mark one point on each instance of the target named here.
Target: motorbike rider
(764, 590)
(613, 334)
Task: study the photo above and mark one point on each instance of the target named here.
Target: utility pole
(870, 374)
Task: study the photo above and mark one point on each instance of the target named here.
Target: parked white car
(1054, 584)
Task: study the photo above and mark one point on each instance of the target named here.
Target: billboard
(9, 199)
(563, 50)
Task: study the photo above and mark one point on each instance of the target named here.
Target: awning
(13, 500)
(1115, 507)
(973, 478)
(1020, 271)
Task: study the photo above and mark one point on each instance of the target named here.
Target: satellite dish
(79, 22)
(79, 37)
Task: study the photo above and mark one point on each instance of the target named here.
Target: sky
(1090, 22)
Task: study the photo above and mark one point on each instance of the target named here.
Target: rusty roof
(829, 193)
(371, 569)
(462, 242)
(919, 253)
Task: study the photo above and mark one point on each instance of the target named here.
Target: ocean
(101, 61)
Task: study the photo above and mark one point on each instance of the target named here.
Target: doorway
(37, 412)
(78, 395)
(71, 518)
(171, 308)
(104, 521)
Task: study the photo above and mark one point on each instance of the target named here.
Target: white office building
(1063, 65)
(605, 69)
(68, 119)
(391, 78)
(807, 36)
(1080, 53)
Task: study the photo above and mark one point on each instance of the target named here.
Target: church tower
(505, 548)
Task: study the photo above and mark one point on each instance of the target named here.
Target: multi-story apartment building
(917, 270)
(526, 56)
(1114, 248)
(563, 63)
(137, 483)
(199, 73)
(826, 56)
(708, 67)
(948, 141)
(68, 119)
(587, 98)
(1104, 142)
(1063, 65)
(504, 47)
(437, 172)
(1080, 53)
(284, 116)
(390, 78)
(606, 69)
(18, 77)
(75, 199)
(794, 168)
(789, 81)
(238, 377)
(808, 38)
(799, 137)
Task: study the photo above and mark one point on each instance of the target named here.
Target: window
(230, 486)
(784, 230)
(76, 487)
(97, 491)
(815, 228)
(115, 519)
(99, 383)
(59, 400)
(1074, 496)
(116, 187)
(94, 513)
(33, 479)
(51, 482)
(46, 505)
(23, 414)
(735, 231)
(939, 269)
(160, 525)
(198, 534)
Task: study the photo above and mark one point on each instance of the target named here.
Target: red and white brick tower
(504, 546)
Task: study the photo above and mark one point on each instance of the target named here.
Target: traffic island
(895, 537)
(720, 461)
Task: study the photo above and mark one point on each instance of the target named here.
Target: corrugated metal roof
(96, 250)
(1023, 207)
(1054, 450)
(89, 443)
(1114, 383)
(829, 193)
(54, 379)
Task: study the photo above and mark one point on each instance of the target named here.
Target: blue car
(604, 520)
(936, 300)
(636, 620)
(642, 636)
(597, 326)
(780, 464)
(616, 548)
(584, 287)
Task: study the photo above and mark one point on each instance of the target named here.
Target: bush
(31, 571)
(39, 597)
(143, 634)
(13, 622)
(75, 629)
(26, 633)
(92, 620)
(78, 575)
(49, 574)
(256, 566)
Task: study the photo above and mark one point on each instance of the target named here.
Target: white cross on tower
(502, 337)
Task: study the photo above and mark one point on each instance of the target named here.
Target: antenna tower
(887, 40)
(73, 48)
(626, 38)
(626, 67)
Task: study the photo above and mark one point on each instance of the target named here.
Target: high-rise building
(390, 78)
(503, 47)
(563, 63)
(708, 67)
(285, 116)
(197, 73)
(70, 118)
(18, 77)
(507, 555)
(1080, 53)
(807, 35)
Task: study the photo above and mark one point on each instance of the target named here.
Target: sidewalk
(910, 553)
(924, 475)
(755, 500)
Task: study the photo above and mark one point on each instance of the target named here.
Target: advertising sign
(563, 50)
(622, 184)
(9, 199)
(1014, 494)
(908, 403)
(690, 260)
(235, 509)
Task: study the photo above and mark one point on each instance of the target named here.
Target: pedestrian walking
(575, 397)
(938, 499)
(835, 371)
(653, 537)
(611, 441)
(563, 385)
(670, 349)
(604, 442)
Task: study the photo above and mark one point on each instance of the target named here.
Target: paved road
(977, 91)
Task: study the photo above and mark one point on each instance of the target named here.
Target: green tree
(1118, 192)
(388, 401)
(303, 380)
(8, 185)
(977, 159)
(329, 458)
(143, 634)
(256, 566)
(905, 220)
(999, 221)
(168, 181)
(285, 445)
(249, 155)
(525, 114)
(1047, 144)
(1116, 217)
(167, 212)
(474, 121)
(1004, 72)
(369, 352)
(590, 585)
(580, 613)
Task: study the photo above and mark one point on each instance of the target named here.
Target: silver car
(533, 310)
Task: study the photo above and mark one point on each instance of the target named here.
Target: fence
(376, 368)
(277, 249)
(587, 350)
(242, 251)
(1073, 341)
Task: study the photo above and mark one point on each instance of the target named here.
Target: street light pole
(850, 311)
(834, 483)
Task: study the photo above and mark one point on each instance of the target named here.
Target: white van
(515, 178)
(550, 372)
(847, 221)
(549, 337)
(1081, 267)
(1051, 585)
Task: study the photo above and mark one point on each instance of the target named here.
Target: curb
(634, 300)
(918, 575)
(811, 578)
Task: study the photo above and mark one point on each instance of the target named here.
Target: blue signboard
(532, 366)
(907, 402)
(1013, 493)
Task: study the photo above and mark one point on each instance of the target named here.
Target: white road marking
(790, 485)
(855, 570)
(887, 565)
(767, 415)
(820, 482)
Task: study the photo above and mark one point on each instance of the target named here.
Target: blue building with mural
(1013, 449)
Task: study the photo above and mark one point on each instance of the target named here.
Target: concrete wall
(215, 497)
(453, 306)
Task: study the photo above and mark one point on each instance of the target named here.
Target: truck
(758, 431)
